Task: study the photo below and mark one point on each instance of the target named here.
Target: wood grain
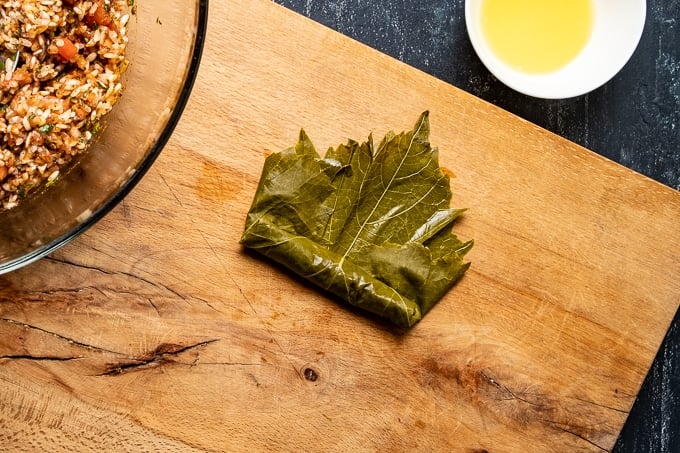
(156, 331)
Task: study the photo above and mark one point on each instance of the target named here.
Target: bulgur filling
(61, 63)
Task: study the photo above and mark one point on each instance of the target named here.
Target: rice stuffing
(61, 63)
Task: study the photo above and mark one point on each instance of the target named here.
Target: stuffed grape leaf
(372, 225)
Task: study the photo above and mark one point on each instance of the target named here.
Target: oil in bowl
(537, 36)
(555, 49)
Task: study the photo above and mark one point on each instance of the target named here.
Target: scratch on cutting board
(267, 329)
(34, 358)
(273, 338)
(61, 337)
(513, 400)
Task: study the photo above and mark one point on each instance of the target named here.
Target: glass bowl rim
(145, 164)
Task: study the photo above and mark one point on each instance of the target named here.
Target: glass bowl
(165, 43)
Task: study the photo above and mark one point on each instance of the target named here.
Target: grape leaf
(372, 225)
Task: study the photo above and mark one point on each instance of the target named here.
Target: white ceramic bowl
(617, 29)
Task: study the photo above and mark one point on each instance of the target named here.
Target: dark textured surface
(634, 120)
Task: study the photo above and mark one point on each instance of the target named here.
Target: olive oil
(537, 36)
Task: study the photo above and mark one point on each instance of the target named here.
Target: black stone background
(634, 120)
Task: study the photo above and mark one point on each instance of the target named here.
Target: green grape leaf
(372, 225)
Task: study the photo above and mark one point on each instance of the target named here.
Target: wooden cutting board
(156, 331)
